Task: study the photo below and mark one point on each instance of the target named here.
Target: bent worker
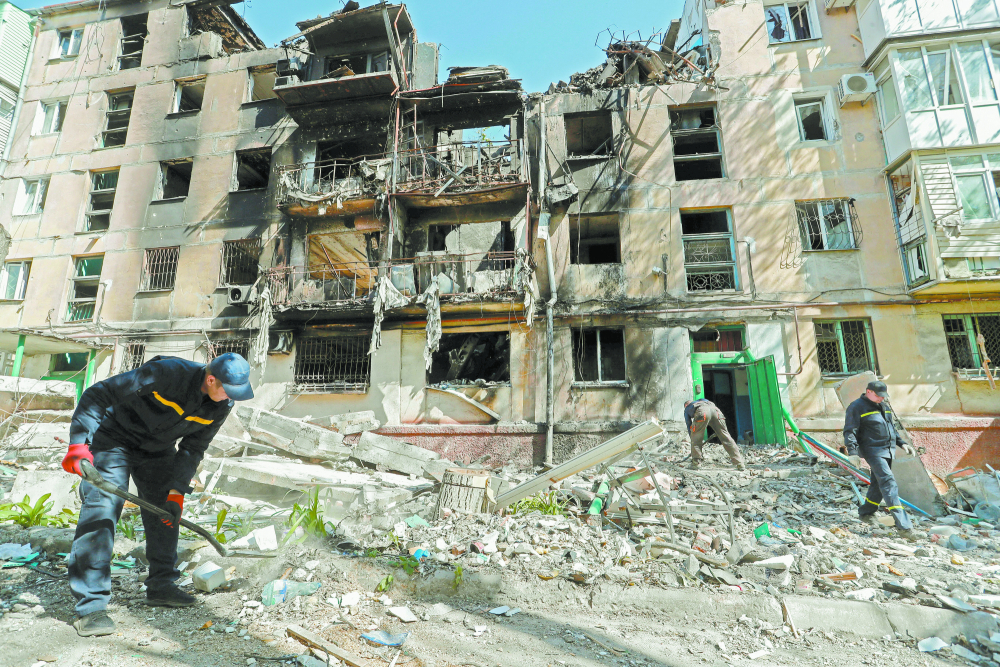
(698, 416)
(127, 426)
(868, 429)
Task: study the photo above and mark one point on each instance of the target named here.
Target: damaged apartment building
(708, 212)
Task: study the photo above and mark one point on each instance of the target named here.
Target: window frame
(34, 201)
(132, 349)
(74, 301)
(985, 172)
(600, 381)
(23, 275)
(814, 27)
(76, 37)
(970, 331)
(161, 185)
(123, 39)
(229, 248)
(677, 132)
(577, 242)
(695, 268)
(179, 86)
(841, 348)
(38, 128)
(252, 74)
(854, 230)
(111, 114)
(235, 185)
(147, 276)
(826, 116)
(91, 212)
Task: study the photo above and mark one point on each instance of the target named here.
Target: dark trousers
(712, 417)
(884, 487)
(93, 544)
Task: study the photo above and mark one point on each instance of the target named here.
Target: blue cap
(233, 371)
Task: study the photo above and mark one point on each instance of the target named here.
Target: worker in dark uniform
(868, 429)
(698, 416)
(127, 426)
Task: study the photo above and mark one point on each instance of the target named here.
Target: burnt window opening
(253, 169)
(355, 63)
(175, 179)
(717, 340)
(103, 187)
(133, 355)
(159, 269)
(594, 239)
(224, 21)
(473, 358)
(599, 355)
(336, 159)
(220, 346)
(332, 364)
(437, 237)
(240, 260)
(189, 95)
(697, 144)
(709, 251)
(261, 83)
(589, 134)
(117, 118)
(133, 41)
(471, 237)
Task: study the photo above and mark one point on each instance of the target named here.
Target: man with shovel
(127, 426)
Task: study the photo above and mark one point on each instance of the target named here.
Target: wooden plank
(616, 445)
(312, 639)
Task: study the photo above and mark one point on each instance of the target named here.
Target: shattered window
(133, 355)
(599, 355)
(788, 22)
(827, 224)
(811, 117)
(588, 134)
(697, 144)
(332, 364)
(253, 169)
(472, 358)
(260, 83)
(103, 187)
(240, 262)
(175, 179)
(189, 95)
(133, 40)
(117, 118)
(69, 43)
(709, 253)
(964, 347)
(14, 280)
(594, 239)
(916, 263)
(845, 347)
(83, 288)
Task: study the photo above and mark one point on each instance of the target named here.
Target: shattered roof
(353, 25)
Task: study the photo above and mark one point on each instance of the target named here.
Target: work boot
(169, 597)
(908, 534)
(94, 624)
(740, 465)
(868, 518)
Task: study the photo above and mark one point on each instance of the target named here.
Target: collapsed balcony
(333, 187)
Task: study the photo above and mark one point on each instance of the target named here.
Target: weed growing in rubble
(129, 526)
(310, 517)
(243, 523)
(546, 503)
(457, 581)
(409, 565)
(27, 515)
(385, 584)
(220, 530)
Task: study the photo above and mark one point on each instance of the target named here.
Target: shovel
(91, 476)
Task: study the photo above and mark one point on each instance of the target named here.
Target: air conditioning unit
(855, 87)
(293, 66)
(241, 295)
(290, 80)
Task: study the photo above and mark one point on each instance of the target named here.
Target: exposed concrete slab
(17, 394)
(919, 622)
(62, 486)
(284, 473)
(865, 619)
(394, 454)
(350, 423)
(291, 435)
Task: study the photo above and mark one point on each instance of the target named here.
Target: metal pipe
(798, 344)
(550, 361)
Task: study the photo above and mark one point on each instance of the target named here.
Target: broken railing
(460, 167)
(332, 180)
(328, 283)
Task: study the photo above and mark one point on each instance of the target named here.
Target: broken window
(599, 355)
(253, 168)
(117, 118)
(356, 63)
(69, 43)
(133, 355)
(589, 134)
(239, 262)
(697, 144)
(189, 95)
(220, 346)
(828, 224)
(133, 41)
(962, 334)
(845, 347)
(68, 362)
(916, 263)
(811, 116)
(332, 364)
(50, 117)
(14, 280)
(103, 186)
(789, 22)
(159, 269)
(594, 239)
(718, 340)
(83, 288)
(175, 179)
(31, 196)
(260, 83)
(709, 251)
(471, 358)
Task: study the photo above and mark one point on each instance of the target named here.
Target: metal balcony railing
(332, 180)
(464, 166)
(296, 285)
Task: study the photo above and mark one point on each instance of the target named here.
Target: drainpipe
(543, 233)
(20, 97)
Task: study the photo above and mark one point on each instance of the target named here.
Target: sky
(539, 41)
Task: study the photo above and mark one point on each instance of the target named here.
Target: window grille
(962, 334)
(159, 269)
(828, 224)
(599, 355)
(709, 254)
(333, 364)
(116, 119)
(240, 346)
(240, 261)
(84, 285)
(133, 355)
(845, 347)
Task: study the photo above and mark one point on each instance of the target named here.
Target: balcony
(462, 174)
(888, 19)
(333, 187)
(315, 102)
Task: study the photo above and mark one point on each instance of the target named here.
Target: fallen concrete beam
(291, 435)
(36, 483)
(349, 423)
(284, 473)
(22, 394)
(393, 454)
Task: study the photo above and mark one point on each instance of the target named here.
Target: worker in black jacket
(127, 426)
(868, 429)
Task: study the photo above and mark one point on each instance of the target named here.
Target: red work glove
(174, 505)
(75, 454)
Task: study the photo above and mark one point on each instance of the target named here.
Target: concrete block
(393, 454)
(51, 540)
(262, 539)
(30, 394)
(63, 487)
(865, 619)
(186, 550)
(38, 436)
(291, 435)
(919, 622)
(208, 576)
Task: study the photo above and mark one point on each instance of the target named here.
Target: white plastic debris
(208, 576)
(931, 644)
(10, 551)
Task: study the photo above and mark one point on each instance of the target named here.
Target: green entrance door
(765, 402)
